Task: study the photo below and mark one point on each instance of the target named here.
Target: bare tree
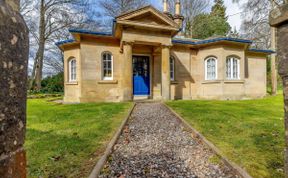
(47, 20)
(256, 27)
(113, 8)
(190, 9)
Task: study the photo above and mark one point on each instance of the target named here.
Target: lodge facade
(145, 56)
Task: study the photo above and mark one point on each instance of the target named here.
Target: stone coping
(278, 15)
(71, 83)
(108, 82)
(222, 81)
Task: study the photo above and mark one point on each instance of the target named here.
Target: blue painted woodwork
(141, 75)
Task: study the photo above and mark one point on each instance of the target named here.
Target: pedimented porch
(146, 71)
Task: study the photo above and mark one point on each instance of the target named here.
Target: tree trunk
(273, 58)
(14, 50)
(33, 74)
(40, 52)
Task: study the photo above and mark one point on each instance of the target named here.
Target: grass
(250, 133)
(66, 140)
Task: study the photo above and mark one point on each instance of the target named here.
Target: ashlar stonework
(177, 67)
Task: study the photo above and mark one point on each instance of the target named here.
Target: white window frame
(216, 68)
(71, 70)
(232, 58)
(172, 70)
(102, 64)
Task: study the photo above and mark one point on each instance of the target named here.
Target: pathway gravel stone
(154, 143)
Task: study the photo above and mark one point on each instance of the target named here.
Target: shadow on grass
(61, 153)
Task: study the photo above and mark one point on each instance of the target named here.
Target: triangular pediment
(148, 15)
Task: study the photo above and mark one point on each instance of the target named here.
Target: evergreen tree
(213, 24)
(219, 9)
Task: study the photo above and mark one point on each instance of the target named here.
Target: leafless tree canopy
(48, 22)
(255, 24)
(113, 8)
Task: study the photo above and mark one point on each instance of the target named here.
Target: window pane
(232, 67)
(228, 68)
(107, 65)
(235, 69)
(172, 66)
(72, 69)
(211, 69)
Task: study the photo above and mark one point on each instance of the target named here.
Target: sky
(233, 11)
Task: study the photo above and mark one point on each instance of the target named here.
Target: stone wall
(189, 81)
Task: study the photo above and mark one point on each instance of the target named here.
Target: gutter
(179, 41)
(261, 51)
(89, 32)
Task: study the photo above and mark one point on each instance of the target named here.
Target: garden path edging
(237, 169)
(101, 162)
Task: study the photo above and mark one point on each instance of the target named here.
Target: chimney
(165, 6)
(178, 18)
(177, 8)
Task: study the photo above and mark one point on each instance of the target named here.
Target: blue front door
(141, 80)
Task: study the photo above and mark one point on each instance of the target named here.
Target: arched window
(172, 68)
(107, 66)
(210, 68)
(232, 68)
(72, 70)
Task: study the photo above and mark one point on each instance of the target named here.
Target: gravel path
(154, 143)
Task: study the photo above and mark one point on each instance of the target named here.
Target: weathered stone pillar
(14, 45)
(14, 4)
(165, 72)
(127, 72)
(279, 19)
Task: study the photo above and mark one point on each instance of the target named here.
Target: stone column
(165, 72)
(279, 19)
(14, 46)
(127, 72)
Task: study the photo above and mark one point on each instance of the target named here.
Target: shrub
(53, 84)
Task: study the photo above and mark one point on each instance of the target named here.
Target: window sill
(108, 82)
(174, 82)
(71, 83)
(211, 81)
(234, 81)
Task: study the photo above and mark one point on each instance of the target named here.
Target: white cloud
(234, 13)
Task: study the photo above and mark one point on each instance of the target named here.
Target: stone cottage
(145, 56)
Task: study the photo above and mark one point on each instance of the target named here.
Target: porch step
(139, 97)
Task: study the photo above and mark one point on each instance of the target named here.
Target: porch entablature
(147, 19)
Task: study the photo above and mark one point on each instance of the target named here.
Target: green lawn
(250, 133)
(66, 140)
